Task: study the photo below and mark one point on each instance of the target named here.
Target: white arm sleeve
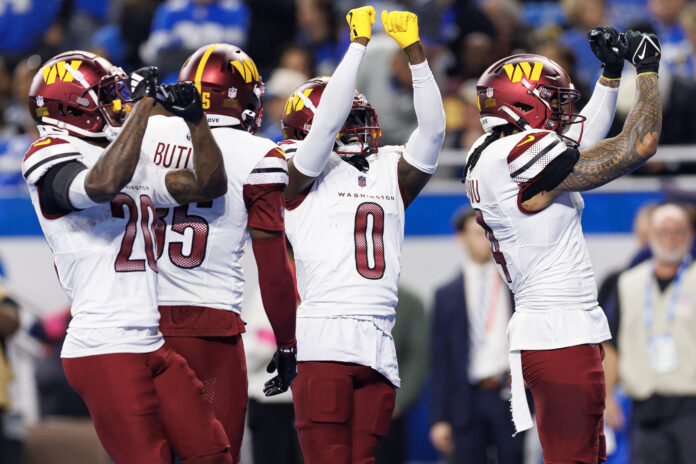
(334, 107)
(424, 144)
(77, 193)
(599, 112)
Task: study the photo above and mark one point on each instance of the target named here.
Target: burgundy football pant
(143, 403)
(342, 410)
(219, 363)
(568, 389)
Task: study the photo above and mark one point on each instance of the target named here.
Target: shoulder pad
(289, 147)
(533, 151)
(46, 153)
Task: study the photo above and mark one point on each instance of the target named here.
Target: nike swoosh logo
(642, 55)
(530, 138)
(38, 144)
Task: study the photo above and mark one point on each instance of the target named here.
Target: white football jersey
(347, 235)
(542, 256)
(202, 245)
(104, 255)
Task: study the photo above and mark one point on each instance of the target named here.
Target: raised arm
(637, 142)
(599, 111)
(333, 110)
(423, 147)
(208, 179)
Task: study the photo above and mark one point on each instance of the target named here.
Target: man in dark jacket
(470, 414)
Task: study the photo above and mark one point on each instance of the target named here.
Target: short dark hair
(461, 217)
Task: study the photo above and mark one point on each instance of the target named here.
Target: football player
(345, 219)
(201, 245)
(96, 203)
(523, 179)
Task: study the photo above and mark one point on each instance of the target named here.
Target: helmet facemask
(360, 133)
(560, 102)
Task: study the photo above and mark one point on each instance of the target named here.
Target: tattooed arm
(116, 165)
(208, 179)
(637, 142)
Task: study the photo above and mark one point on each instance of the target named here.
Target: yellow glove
(402, 26)
(360, 21)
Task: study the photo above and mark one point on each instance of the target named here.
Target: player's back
(347, 235)
(543, 255)
(201, 245)
(104, 255)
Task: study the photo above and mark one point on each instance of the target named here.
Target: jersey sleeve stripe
(267, 178)
(525, 144)
(531, 162)
(265, 170)
(50, 159)
(290, 150)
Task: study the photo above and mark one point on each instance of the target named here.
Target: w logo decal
(296, 102)
(515, 72)
(59, 70)
(247, 69)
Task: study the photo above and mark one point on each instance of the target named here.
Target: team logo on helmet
(247, 69)
(296, 102)
(515, 72)
(60, 72)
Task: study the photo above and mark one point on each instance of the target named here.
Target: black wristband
(643, 68)
(613, 70)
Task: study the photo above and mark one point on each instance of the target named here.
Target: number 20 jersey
(202, 247)
(542, 256)
(347, 235)
(104, 255)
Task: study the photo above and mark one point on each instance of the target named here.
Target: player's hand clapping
(360, 21)
(182, 99)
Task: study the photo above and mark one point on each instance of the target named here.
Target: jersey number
(498, 256)
(181, 220)
(123, 261)
(369, 247)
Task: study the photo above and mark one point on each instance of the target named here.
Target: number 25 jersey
(347, 235)
(542, 256)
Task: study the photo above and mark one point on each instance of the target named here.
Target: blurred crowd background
(291, 41)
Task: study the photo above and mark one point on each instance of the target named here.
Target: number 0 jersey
(202, 244)
(104, 255)
(542, 256)
(347, 235)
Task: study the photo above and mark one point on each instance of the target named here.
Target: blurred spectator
(411, 343)
(180, 27)
(9, 323)
(318, 33)
(271, 420)
(469, 357)
(386, 81)
(505, 16)
(279, 87)
(134, 18)
(25, 24)
(272, 23)
(687, 19)
(108, 42)
(565, 57)
(653, 347)
(463, 118)
(673, 38)
(475, 52)
(582, 16)
(86, 16)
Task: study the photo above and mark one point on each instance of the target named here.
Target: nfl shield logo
(232, 92)
(362, 181)
(489, 92)
(39, 101)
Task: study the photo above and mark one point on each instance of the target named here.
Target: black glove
(604, 42)
(285, 361)
(642, 50)
(143, 82)
(182, 99)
